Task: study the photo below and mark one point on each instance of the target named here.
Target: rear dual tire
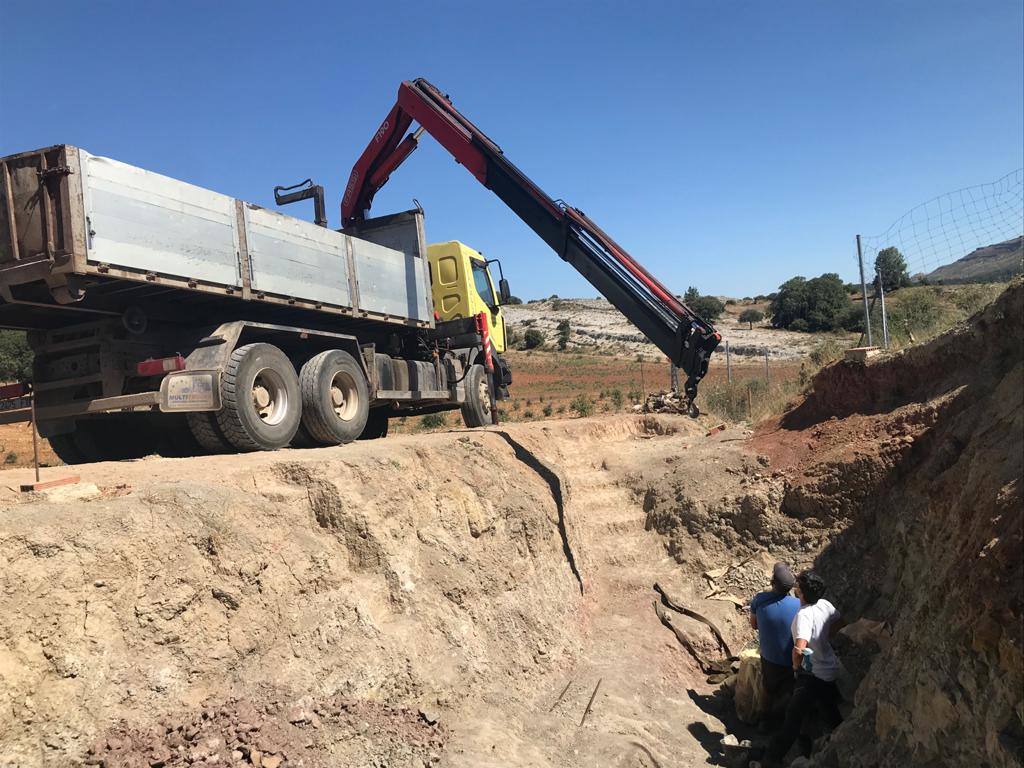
(266, 405)
(335, 398)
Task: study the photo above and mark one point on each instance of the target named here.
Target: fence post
(881, 299)
(750, 404)
(643, 386)
(864, 293)
(766, 367)
(728, 362)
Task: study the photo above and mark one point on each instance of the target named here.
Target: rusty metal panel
(143, 221)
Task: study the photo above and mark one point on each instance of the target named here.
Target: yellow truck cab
(462, 287)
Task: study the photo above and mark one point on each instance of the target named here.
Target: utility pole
(728, 363)
(864, 293)
(881, 299)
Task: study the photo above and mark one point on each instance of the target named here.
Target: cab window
(482, 282)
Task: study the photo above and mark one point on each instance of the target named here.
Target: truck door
(462, 287)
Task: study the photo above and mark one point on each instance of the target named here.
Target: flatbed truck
(164, 317)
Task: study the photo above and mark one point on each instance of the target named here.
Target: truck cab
(462, 286)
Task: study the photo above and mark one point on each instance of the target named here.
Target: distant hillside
(989, 264)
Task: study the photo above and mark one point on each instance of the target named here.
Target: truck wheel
(260, 397)
(476, 411)
(204, 428)
(335, 398)
(302, 439)
(376, 425)
(65, 448)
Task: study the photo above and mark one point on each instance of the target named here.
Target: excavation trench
(406, 600)
(420, 600)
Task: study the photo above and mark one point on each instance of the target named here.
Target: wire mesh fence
(948, 227)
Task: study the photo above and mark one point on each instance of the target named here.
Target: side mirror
(503, 292)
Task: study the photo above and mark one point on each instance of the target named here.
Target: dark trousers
(778, 683)
(810, 696)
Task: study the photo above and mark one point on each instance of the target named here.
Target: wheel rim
(485, 396)
(344, 396)
(270, 396)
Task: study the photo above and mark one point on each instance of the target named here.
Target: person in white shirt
(815, 666)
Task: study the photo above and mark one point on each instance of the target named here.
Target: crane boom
(685, 338)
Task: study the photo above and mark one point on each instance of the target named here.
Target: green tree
(790, 302)
(707, 307)
(514, 300)
(751, 316)
(564, 331)
(827, 302)
(891, 265)
(819, 304)
(15, 357)
(533, 339)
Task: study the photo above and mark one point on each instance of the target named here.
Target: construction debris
(663, 402)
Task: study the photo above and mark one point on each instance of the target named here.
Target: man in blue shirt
(771, 614)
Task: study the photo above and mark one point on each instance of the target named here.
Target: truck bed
(82, 234)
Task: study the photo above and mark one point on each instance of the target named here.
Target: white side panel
(291, 257)
(144, 221)
(391, 282)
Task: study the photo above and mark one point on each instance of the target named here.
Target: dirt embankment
(406, 602)
(920, 479)
(900, 481)
(361, 592)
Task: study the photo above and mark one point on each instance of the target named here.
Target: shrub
(616, 397)
(434, 420)
(800, 325)
(564, 332)
(533, 339)
(582, 405)
(514, 300)
(527, 414)
(751, 316)
(11, 458)
(826, 352)
(730, 302)
(547, 410)
(635, 395)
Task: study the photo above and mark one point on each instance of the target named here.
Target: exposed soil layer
(919, 483)
(405, 602)
(458, 598)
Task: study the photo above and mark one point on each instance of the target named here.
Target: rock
(750, 694)
(301, 711)
(429, 716)
(272, 761)
(236, 755)
(256, 758)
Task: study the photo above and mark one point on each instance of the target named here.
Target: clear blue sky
(726, 145)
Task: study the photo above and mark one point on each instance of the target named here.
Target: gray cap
(782, 577)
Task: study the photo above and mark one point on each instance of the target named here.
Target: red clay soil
(852, 405)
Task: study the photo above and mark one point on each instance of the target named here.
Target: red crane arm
(674, 328)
